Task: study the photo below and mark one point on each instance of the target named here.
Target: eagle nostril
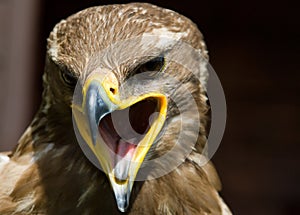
(112, 90)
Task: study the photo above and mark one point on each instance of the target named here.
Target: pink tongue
(123, 158)
(125, 149)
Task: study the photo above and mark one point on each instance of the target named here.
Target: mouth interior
(122, 130)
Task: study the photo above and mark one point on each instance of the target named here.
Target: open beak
(118, 132)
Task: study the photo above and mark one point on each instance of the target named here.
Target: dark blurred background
(253, 47)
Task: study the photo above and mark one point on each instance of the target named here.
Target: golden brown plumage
(48, 173)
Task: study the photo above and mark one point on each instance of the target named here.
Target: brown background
(254, 48)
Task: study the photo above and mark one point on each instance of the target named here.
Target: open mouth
(123, 130)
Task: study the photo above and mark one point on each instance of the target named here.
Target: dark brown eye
(69, 79)
(154, 65)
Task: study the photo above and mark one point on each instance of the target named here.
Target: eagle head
(127, 83)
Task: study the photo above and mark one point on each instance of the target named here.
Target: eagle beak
(119, 132)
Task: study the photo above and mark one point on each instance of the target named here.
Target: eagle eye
(153, 65)
(69, 79)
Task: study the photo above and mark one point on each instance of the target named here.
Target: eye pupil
(154, 65)
(69, 78)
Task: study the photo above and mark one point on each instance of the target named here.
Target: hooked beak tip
(122, 191)
(122, 204)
